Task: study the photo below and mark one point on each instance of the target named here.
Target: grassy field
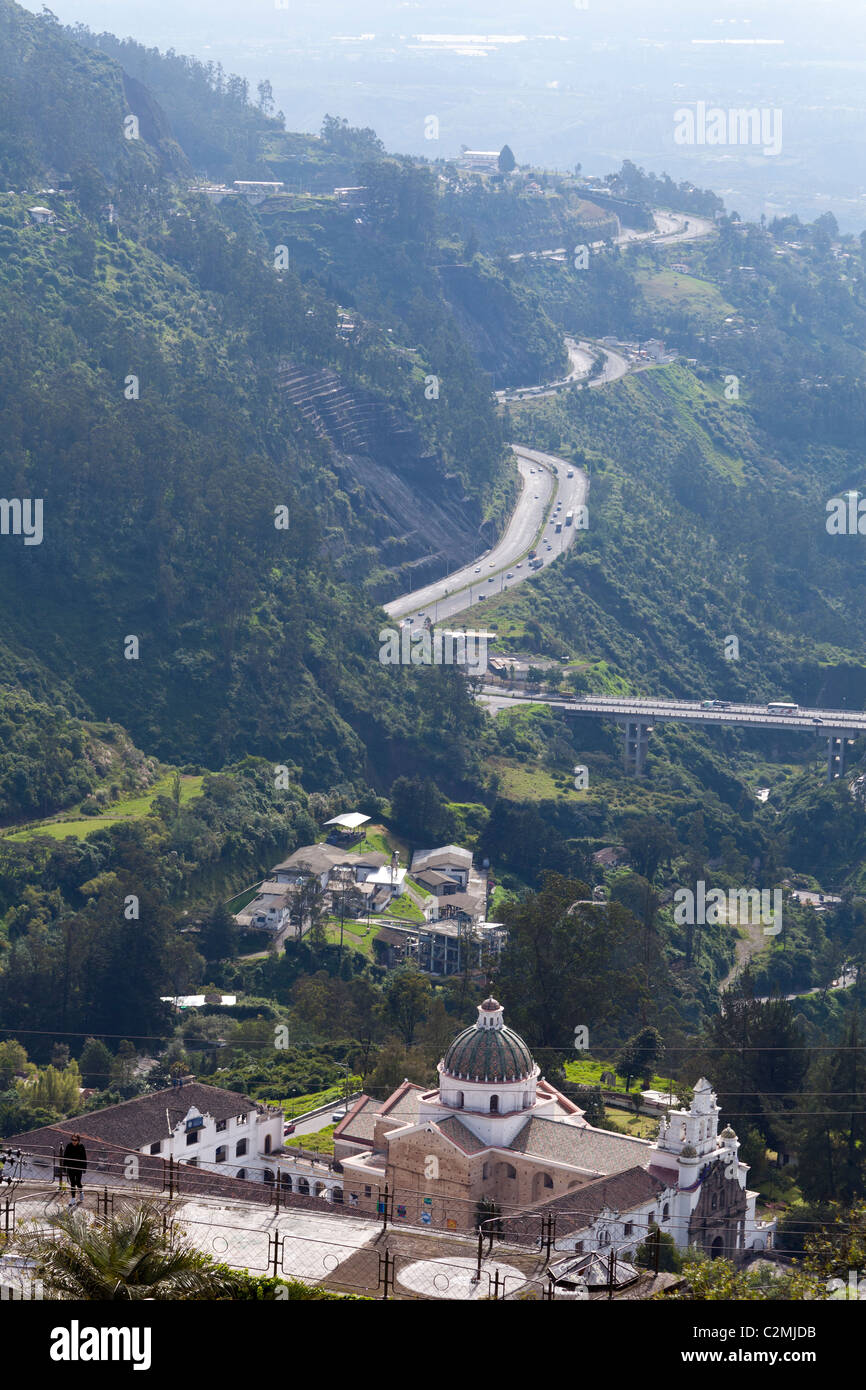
(322, 1140)
(403, 906)
(638, 1126)
(355, 936)
(588, 1073)
(239, 902)
(671, 289)
(527, 783)
(333, 1095)
(129, 808)
(500, 897)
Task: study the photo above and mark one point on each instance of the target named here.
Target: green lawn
(129, 808)
(403, 906)
(322, 1140)
(639, 1126)
(588, 1073)
(333, 1095)
(355, 937)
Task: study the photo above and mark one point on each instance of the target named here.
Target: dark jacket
(75, 1158)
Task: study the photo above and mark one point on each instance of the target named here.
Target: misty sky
(560, 83)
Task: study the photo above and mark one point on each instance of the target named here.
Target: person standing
(74, 1166)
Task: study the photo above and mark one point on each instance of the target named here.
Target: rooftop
(144, 1119)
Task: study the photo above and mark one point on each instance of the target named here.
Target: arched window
(220, 1155)
(494, 1105)
(486, 1171)
(666, 1211)
(241, 1173)
(540, 1181)
(240, 1148)
(267, 1143)
(458, 1103)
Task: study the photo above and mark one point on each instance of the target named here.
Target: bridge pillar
(835, 756)
(636, 742)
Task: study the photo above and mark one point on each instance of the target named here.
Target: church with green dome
(494, 1136)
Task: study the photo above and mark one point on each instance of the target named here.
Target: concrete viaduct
(637, 717)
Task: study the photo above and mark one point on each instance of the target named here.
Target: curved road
(546, 483)
(551, 486)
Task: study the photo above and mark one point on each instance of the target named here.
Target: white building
(480, 161)
(451, 860)
(202, 1126)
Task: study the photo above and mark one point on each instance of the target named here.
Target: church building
(495, 1136)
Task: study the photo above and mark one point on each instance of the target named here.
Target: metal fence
(360, 1256)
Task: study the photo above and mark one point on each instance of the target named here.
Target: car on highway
(715, 704)
(338, 1115)
(519, 565)
(510, 574)
(477, 569)
(492, 563)
(571, 472)
(288, 1129)
(490, 578)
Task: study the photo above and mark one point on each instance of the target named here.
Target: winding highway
(551, 488)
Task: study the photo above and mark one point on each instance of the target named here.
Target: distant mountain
(62, 107)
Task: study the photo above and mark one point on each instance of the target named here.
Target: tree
(649, 843)
(420, 810)
(56, 1090)
(507, 162)
(119, 1259)
(591, 1102)
(719, 1281)
(218, 936)
(669, 1257)
(123, 1066)
(640, 1054)
(407, 1002)
(91, 190)
(13, 1062)
(95, 1062)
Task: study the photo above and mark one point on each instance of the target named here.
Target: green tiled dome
(488, 1053)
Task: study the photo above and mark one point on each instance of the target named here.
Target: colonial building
(494, 1135)
(203, 1126)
